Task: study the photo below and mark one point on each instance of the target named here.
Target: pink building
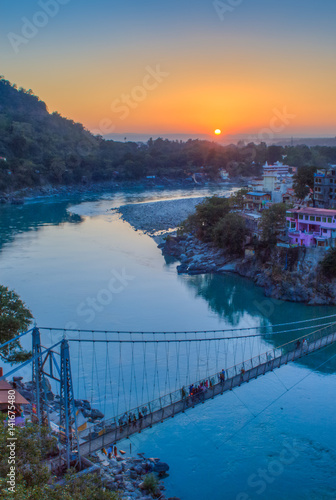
(311, 227)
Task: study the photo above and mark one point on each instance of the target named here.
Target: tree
(274, 154)
(304, 181)
(273, 222)
(208, 213)
(230, 233)
(14, 318)
(328, 264)
(237, 199)
(32, 476)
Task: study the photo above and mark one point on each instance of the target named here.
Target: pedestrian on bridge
(144, 410)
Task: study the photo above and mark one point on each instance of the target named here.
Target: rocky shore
(287, 274)
(164, 216)
(133, 478)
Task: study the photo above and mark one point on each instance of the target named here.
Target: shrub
(328, 264)
(151, 483)
(229, 233)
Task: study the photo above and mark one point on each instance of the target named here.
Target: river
(273, 438)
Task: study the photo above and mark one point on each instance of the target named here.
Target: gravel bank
(157, 216)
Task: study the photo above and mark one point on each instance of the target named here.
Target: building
(311, 227)
(19, 402)
(289, 197)
(279, 169)
(325, 188)
(255, 200)
(270, 182)
(252, 224)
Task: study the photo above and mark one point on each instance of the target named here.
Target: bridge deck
(118, 433)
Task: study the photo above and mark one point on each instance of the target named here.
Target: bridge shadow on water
(242, 304)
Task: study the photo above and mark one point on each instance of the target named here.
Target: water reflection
(242, 304)
(231, 297)
(31, 216)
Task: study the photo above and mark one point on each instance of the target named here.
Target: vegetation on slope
(43, 148)
(217, 221)
(32, 476)
(14, 319)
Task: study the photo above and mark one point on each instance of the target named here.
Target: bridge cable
(106, 373)
(151, 341)
(167, 371)
(190, 331)
(276, 399)
(188, 347)
(178, 377)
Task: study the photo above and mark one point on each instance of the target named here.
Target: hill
(39, 148)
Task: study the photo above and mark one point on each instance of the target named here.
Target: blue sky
(89, 53)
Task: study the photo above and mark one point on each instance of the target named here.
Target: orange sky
(234, 74)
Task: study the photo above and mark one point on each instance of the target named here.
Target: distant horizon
(223, 140)
(247, 68)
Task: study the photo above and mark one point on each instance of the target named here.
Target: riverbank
(48, 191)
(287, 274)
(291, 275)
(134, 478)
(160, 216)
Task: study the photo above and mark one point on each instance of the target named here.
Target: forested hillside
(39, 148)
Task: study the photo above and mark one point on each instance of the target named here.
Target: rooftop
(313, 211)
(4, 388)
(256, 193)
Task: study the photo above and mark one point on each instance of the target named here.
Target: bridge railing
(293, 349)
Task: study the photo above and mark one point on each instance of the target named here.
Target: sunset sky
(237, 65)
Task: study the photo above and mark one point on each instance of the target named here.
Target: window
(301, 217)
(306, 217)
(318, 219)
(293, 226)
(331, 181)
(331, 190)
(312, 217)
(329, 220)
(324, 219)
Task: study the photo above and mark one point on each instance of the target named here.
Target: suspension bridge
(194, 365)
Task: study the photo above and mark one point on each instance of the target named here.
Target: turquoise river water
(273, 438)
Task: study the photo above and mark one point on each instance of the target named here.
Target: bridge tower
(68, 424)
(67, 408)
(37, 377)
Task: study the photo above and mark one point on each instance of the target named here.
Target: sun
(218, 131)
